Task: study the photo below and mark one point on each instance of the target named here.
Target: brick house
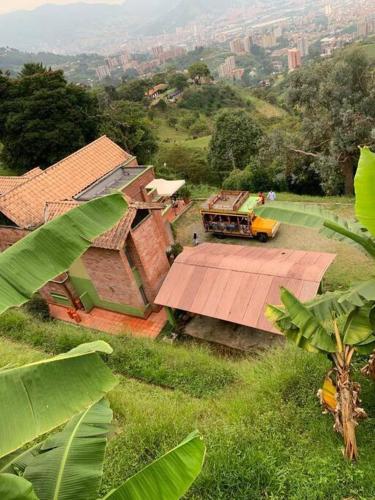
(123, 270)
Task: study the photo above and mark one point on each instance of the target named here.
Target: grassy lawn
(342, 272)
(266, 436)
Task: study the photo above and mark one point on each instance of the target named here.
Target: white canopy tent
(164, 187)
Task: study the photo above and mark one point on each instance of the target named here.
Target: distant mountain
(83, 27)
(186, 11)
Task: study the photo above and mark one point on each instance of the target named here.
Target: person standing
(271, 195)
(195, 239)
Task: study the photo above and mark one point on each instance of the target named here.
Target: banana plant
(69, 388)
(360, 233)
(339, 395)
(314, 326)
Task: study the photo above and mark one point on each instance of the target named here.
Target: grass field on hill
(266, 436)
(265, 113)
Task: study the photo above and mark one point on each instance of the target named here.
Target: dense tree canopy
(126, 124)
(185, 163)
(336, 102)
(198, 71)
(178, 81)
(133, 91)
(235, 141)
(43, 118)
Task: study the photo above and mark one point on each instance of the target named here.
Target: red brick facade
(107, 274)
(10, 235)
(136, 189)
(112, 277)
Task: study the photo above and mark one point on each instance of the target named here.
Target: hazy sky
(9, 5)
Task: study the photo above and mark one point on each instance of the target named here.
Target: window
(60, 299)
(141, 215)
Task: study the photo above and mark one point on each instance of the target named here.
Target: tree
(38, 397)
(126, 124)
(336, 100)
(181, 162)
(198, 71)
(133, 91)
(178, 81)
(43, 118)
(314, 326)
(235, 141)
(253, 177)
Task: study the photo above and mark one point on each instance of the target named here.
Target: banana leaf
(309, 327)
(16, 462)
(315, 217)
(16, 488)
(169, 477)
(358, 328)
(364, 184)
(69, 464)
(37, 397)
(358, 295)
(50, 250)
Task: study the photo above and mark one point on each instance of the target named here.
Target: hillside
(265, 433)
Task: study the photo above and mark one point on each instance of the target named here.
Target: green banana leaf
(169, 477)
(282, 321)
(358, 295)
(50, 250)
(309, 327)
(364, 184)
(37, 397)
(16, 488)
(358, 328)
(70, 464)
(315, 217)
(16, 462)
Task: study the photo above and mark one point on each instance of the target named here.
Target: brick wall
(136, 190)
(52, 287)
(112, 277)
(149, 246)
(10, 235)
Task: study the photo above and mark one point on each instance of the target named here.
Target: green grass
(266, 436)
(143, 359)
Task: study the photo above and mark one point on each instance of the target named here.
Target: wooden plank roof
(235, 283)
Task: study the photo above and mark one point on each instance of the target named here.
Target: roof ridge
(75, 153)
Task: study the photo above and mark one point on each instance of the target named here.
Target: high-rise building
(303, 46)
(268, 40)
(294, 59)
(112, 62)
(102, 72)
(237, 46)
(226, 69)
(157, 52)
(248, 43)
(124, 58)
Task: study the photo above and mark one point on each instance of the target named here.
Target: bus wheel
(262, 237)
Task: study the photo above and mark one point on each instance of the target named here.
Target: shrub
(38, 308)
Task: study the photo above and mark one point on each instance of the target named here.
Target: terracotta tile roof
(33, 172)
(113, 239)
(9, 182)
(25, 204)
(235, 283)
